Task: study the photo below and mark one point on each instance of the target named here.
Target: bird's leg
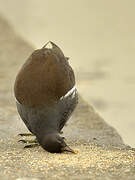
(26, 134)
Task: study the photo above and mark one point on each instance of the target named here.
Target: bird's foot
(26, 134)
(29, 143)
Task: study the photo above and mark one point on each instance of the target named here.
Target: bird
(46, 96)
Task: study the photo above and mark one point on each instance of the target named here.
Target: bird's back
(44, 78)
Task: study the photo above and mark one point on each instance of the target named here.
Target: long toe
(28, 141)
(26, 134)
(31, 145)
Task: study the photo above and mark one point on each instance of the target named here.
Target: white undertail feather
(71, 91)
(17, 101)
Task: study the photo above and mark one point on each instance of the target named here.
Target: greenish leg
(28, 141)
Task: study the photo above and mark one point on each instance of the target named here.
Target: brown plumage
(41, 89)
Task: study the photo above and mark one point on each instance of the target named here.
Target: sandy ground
(101, 155)
(99, 37)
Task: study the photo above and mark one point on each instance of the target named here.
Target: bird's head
(54, 143)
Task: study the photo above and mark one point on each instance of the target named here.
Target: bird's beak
(68, 149)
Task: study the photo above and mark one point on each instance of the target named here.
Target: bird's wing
(67, 105)
(23, 112)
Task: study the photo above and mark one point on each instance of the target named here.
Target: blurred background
(99, 38)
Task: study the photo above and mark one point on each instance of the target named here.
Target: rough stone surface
(101, 151)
